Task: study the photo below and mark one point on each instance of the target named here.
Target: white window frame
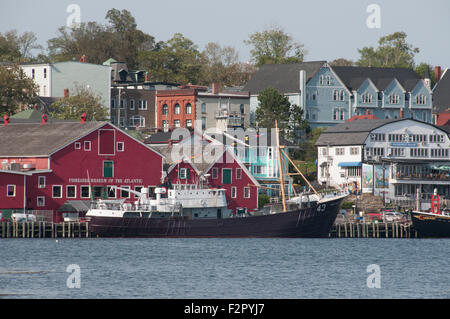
(7, 190)
(121, 191)
(53, 191)
(81, 191)
(132, 104)
(247, 189)
(233, 192)
(123, 146)
(67, 191)
(40, 198)
(87, 149)
(215, 173)
(77, 146)
(42, 185)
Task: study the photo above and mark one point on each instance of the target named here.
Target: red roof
(362, 117)
(443, 119)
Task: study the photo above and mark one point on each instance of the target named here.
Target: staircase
(367, 202)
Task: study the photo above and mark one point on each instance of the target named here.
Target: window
(203, 108)
(342, 95)
(335, 114)
(335, 95)
(57, 191)
(418, 152)
(111, 191)
(188, 123)
(165, 109)
(215, 173)
(340, 151)
(183, 173)
(120, 146)
(41, 182)
(137, 189)
(165, 124)
(77, 145)
(142, 104)
(259, 169)
(108, 169)
(87, 145)
(176, 123)
(113, 103)
(439, 152)
(11, 190)
(137, 121)
(394, 99)
(85, 191)
(203, 123)
(45, 73)
(328, 79)
(176, 109)
(342, 115)
(32, 73)
(421, 99)
(238, 173)
(233, 192)
(354, 150)
(123, 103)
(123, 193)
(131, 104)
(226, 176)
(241, 108)
(246, 192)
(40, 201)
(366, 98)
(436, 138)
(321, 80)
(378, 137)
(71, 191)
(188, 108)
(396, 152)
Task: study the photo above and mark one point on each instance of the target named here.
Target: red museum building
(45, 165)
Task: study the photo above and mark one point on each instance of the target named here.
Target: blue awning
(349, 164)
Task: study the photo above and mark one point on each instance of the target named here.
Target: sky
(328, 29)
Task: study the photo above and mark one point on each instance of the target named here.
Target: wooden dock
(373, 230)
(44, 230)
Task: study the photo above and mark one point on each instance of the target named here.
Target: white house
(397, 157)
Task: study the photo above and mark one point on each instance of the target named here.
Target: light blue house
(335, 94)
(332, 95)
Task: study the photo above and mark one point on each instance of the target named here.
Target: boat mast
(280, 167)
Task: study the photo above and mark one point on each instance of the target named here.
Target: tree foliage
(342, 62)
(274, 46)
(393, 51)
(274, 106)
(426, 71)
(18, 48)
(84, 101)
(15, 89)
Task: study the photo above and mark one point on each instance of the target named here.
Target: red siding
(136, 165)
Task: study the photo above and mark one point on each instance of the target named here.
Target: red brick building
(45, 165)
(175, 108)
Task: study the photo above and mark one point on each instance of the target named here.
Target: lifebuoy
(163, 190)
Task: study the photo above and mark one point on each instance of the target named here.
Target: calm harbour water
(225, 268)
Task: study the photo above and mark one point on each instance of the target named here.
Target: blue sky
(328, 29)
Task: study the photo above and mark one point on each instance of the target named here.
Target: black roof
(354, 76)
(282, 77)
(441, 93)
(162, 138)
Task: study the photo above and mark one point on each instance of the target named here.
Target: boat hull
(313, 222)
(431, 225)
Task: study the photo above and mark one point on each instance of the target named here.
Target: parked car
(391, 216)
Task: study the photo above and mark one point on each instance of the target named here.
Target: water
(225, 268)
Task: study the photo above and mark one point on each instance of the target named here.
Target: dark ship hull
(431, 225)
(313, 222)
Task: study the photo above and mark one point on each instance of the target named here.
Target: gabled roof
(441, 93)
(35, 139)
(354, 76)
(282, 77)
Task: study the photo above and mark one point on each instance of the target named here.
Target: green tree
(274, 46)
(392, 52)
(84, 101)
(176, 60)
(274, 106)
(342, 62)
(426, 71)
(18, 48)
(15, 89)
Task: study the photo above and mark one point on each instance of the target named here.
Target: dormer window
(394, 99)
(421, 99)
(366, 98)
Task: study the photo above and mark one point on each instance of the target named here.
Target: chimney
(401, 113)
(302, 88)
(437, 74)
(215, 88)
(83, 118)
(66, 92)
(5, 119)
(44, 119)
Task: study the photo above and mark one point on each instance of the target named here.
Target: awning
(349, 164)
(75, 206)
(445, 168)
